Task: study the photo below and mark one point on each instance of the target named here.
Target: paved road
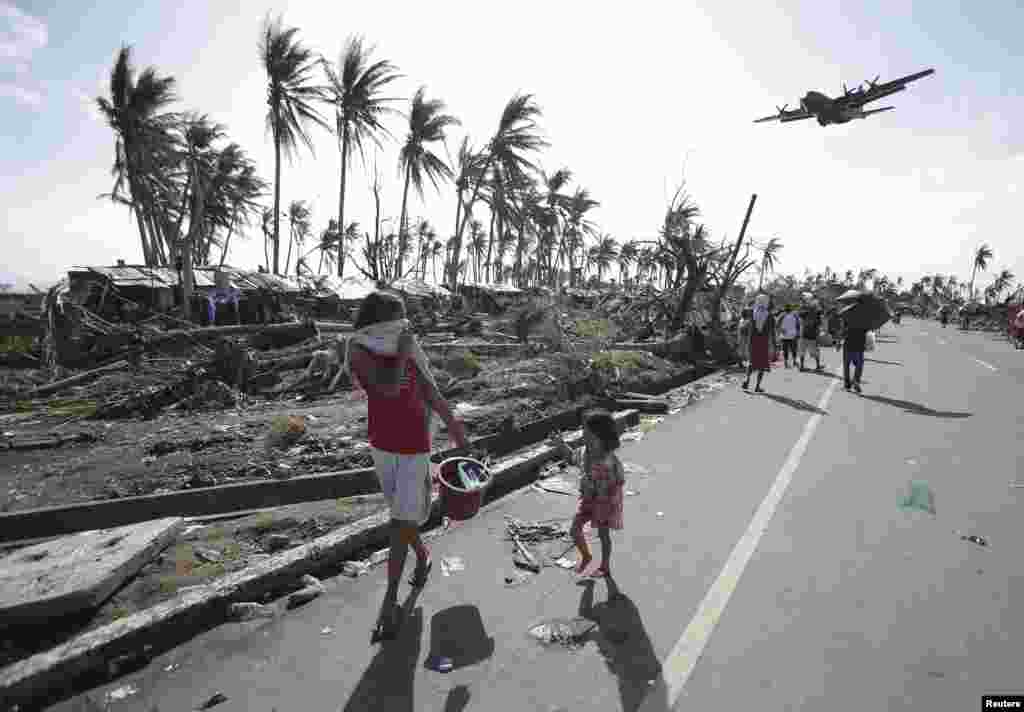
(765, 564)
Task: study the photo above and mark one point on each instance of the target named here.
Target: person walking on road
(789, 326)
(762, 342)
(601, 488)
(810, 329)
(743, 337)
(944, 316)
(387, 361)
(854, 345)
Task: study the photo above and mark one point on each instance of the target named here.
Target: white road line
(677, 668)
(986, 365)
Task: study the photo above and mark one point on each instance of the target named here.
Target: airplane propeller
(782, 109)
(873, 82)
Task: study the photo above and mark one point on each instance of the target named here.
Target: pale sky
(634, 95)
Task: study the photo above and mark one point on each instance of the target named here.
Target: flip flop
(420, 576)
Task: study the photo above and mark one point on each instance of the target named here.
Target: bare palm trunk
(490, 248)
(460, 226)
(277, 202)
(227, 240)
(403, 234)
(341, 204)
(291, 240)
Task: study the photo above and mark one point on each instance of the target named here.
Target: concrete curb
(86, 660)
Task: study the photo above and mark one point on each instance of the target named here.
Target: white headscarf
(760, 310)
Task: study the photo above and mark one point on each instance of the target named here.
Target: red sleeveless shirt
(399, 424)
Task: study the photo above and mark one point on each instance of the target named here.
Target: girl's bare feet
(584, 563)
(600, 572)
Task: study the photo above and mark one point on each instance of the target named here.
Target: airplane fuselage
(826, 110)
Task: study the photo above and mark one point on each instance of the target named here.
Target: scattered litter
(660, 514)
(121, 693)
(250, 611)
(517, 578)
(570, 632)
(674, 411)
(630, 493)
(974, 539)
(215, 699)
(911, 461)
(439, 663)
(632, 436)
(452, 564)
(565, 563)
(171, 668)
(313, 589)
(327, 630)
(920, 497)
(354, 569)
(536, 532)
(631, 468)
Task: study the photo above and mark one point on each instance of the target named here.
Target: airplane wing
(783, 116)
(874, 92)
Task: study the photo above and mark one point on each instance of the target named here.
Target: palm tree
(427, 124)
(516, 136)
(768, 257)
(477, 246)
(299, 219)
(291, 96)
(137, 113)
(354, 90)
(577, 228)
(604, 253)
(627, 257)
(1002, 282)
(982, 255)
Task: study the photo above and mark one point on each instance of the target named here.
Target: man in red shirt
(401, 399)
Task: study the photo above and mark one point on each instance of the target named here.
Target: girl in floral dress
(601, 488)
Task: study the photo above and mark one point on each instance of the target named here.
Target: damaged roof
(203, 277)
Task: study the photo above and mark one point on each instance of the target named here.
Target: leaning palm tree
(982, 255)
(427, 124)
(355, 89)
(291, 96)
(517, 135)
(144, 131)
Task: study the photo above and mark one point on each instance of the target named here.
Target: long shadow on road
(917, 408)
(794, 403)
(624, 645)
(389, 681)
(887, 363)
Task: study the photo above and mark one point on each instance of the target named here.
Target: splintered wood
(77, 572)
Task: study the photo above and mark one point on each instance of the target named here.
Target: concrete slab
(77, 572)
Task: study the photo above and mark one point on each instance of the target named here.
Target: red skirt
(760, 352)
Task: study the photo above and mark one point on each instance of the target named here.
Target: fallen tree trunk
(75, 380)
(245, 329)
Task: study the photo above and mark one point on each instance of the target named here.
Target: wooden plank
(78, 572)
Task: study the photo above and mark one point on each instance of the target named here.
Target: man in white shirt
(790, 327)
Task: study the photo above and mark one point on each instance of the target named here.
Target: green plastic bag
(919, 496)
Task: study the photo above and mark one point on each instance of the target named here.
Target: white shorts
(809, 346)
(406, 482)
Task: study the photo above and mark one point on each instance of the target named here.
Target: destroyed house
(126, 293)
